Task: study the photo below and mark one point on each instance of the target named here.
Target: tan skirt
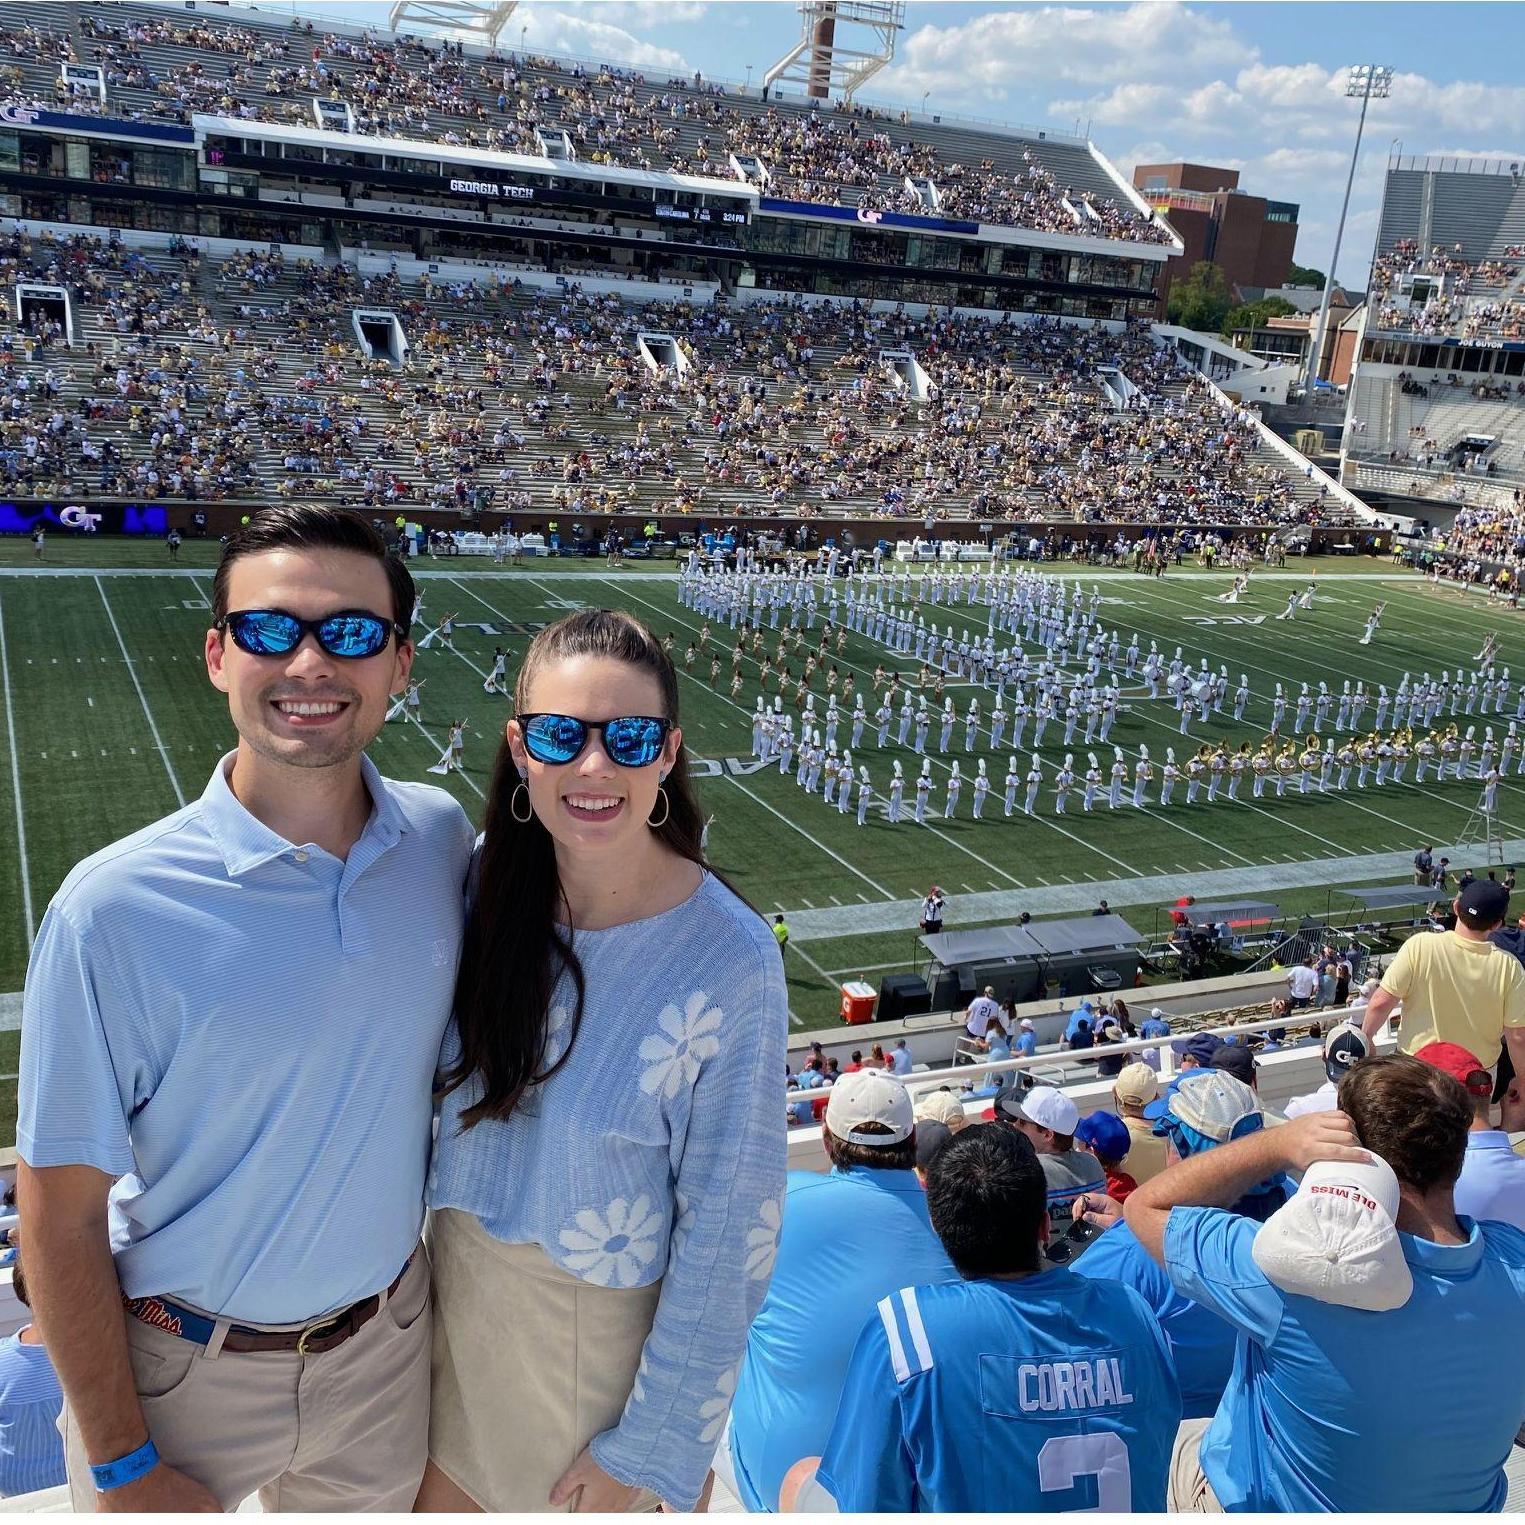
(529, 1363)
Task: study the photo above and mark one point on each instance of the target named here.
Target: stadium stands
(162, 66)
(1437, 405)
(195, 378)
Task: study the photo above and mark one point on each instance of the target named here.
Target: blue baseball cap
(1106, 1133)
(1199, 1046)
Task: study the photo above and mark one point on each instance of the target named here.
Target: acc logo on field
(78, 518)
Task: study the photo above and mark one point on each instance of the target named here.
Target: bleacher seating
(161, 65)
(239, 378)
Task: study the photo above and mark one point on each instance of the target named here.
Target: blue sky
(1255, 87)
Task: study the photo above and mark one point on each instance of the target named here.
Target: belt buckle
(321, 1327)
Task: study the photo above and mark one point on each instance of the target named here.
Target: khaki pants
(343, 1431)
(530, 1363)
(1190, 1491)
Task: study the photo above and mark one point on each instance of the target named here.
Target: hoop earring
(513, 804)
(666, 810)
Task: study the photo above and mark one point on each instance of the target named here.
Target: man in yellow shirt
(1457, 986)
(1135, 1087)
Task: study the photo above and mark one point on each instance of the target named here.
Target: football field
(109, 722)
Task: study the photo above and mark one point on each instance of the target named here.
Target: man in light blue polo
(849, 1239)
(1410, 1402)
(230, 1030)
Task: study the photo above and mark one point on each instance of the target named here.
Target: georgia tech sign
(79, 518)
(493, 188)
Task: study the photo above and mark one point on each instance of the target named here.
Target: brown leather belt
(318, 1337)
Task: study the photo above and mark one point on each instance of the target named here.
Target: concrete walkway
(1156, 889)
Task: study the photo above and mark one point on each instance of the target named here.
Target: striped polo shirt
(31, 1447)
(244, 1031)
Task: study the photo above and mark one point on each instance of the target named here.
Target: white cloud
(1047, 45)
(575, 33)
(642, 13)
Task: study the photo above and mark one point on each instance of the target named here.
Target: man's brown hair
(1412, 1114)
(845, 1154)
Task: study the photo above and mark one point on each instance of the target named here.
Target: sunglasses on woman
(351, 633)
(632, 741)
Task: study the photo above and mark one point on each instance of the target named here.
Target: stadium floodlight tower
(822, 63)
(460, 20)
(1366, 82)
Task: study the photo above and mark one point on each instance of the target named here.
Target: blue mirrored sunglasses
(632, 741)
(351, 633)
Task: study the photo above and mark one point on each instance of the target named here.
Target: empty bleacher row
(162, 65)
(242, 378)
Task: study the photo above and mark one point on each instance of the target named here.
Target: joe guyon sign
(500, 190)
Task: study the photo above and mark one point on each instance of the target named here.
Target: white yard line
(10, 731)
(820, 971)
(795, 825)
(148, 714)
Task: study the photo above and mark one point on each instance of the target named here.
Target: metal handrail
(920, 1080)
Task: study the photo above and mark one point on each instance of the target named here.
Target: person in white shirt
(1302, 983)
(983, 1011)
(1343, 1046)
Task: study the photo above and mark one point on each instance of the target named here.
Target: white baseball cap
(1336, 1240)
(1212, 1102)
(870, 1096)
(1046, 1107)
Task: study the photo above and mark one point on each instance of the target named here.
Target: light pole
(1368, 82)
(924, 95)
(522, 31)
(749, 79)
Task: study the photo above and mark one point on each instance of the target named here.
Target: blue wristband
(125, 1469)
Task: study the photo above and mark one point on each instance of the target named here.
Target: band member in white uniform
(981, 789)
(923, 789)
(865, 794)
(897, 793)
(1119, 778)
(1034, 779)
(1013, 778)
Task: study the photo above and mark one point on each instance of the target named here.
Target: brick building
(1248, 237)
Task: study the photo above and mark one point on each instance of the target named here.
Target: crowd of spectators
(1469, 300)
(402, 86)
(201, 379)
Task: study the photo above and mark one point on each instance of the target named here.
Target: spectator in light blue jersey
(1409, 1405)
(31, 1448)
(1016, 1389)
(1207, 1109)
(850, 1238)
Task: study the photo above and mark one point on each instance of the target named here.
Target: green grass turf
(115, 723)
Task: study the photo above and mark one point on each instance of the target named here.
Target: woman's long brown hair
(514, 951)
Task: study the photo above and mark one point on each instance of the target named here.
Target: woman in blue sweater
(609, 1173)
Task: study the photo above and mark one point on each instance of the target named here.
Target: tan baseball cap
(1136, 1083)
